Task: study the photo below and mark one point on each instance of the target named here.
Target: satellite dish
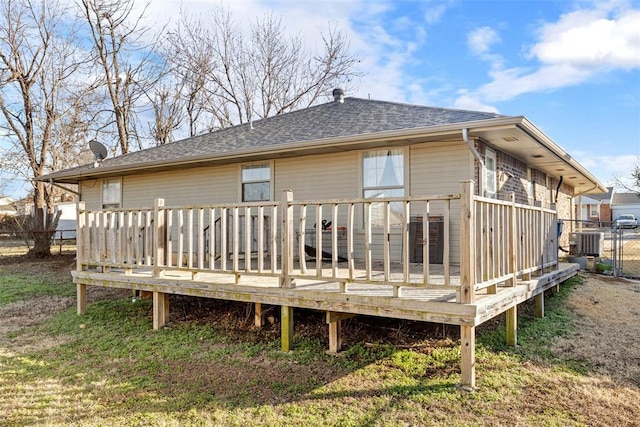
(99, 150)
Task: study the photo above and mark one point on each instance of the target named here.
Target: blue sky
(571, 67)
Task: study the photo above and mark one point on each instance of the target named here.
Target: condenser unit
(586, 244)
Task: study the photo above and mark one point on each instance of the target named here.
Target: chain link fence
(626, 252)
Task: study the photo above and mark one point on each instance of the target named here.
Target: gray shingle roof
(355, 116)
(601, 197)
(625, 199)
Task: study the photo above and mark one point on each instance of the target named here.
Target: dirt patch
(608, 328)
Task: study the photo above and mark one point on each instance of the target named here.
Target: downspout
(465, 137)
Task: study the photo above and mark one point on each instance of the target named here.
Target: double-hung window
(383, 176)
(256, 182)
(111, 193)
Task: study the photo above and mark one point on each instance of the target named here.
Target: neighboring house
(238, 214)
(7, 207)
(625, 203)
(596, 209)
(67, 222)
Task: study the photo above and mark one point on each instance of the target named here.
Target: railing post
(513, 241)
(158, 237)
(81, 229)
(287, 239)
(467, 244)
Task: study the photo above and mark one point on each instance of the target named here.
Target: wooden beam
(81, 291)
(334, 316)
(512, 326)
(539, 301)
(286, 333)
(160, 309)
(468, 359)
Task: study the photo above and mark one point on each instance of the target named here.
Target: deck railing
(345, 241)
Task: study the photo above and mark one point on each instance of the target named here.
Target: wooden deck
(424, 304)
(494, 256)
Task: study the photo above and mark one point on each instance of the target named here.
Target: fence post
(158, 237)
(467, 244)
(287, 239)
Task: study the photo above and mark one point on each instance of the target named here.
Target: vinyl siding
(438, 169)
(193, 186)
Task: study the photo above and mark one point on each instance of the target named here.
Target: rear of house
(423, 213)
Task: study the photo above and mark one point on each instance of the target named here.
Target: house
(594, 210)
(7, 207)
(337, 208)
(625, 203)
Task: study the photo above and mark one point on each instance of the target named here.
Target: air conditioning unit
(586, 244)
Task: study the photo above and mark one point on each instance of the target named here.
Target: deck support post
(468, 353)
(512, 326)
(335, 337)
(467, 282)
(286, 331)
(334, 320)
(539, 301)
(81, 292)
(160, 309)
(258, 318)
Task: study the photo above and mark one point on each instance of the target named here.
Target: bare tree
(38, 62)
(168, 112)
(128, 66)
(233, 77)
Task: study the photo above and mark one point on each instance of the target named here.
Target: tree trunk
(44, 223)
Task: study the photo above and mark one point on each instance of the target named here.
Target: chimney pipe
(338, 95)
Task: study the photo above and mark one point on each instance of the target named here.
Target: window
(491, 187)
(111, 193)
(594, 212)
(383, 176)
(256, 182)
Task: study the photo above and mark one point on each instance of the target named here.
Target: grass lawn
(109, 367)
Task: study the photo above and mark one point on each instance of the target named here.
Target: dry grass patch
(210, 367)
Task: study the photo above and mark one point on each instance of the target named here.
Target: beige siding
(202, 185)
(438, 169)
(91, 193)
(327, 176)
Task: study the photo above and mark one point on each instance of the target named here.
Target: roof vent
(338, 95)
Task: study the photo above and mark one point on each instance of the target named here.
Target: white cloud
(578, 47)
(589, 39)
(469, 102)
(481, 39)
(608, 169)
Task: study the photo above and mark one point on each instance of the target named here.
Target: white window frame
(268, 164)
(491, 174)
(111, 204)
(403, 151)
(594, 211)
